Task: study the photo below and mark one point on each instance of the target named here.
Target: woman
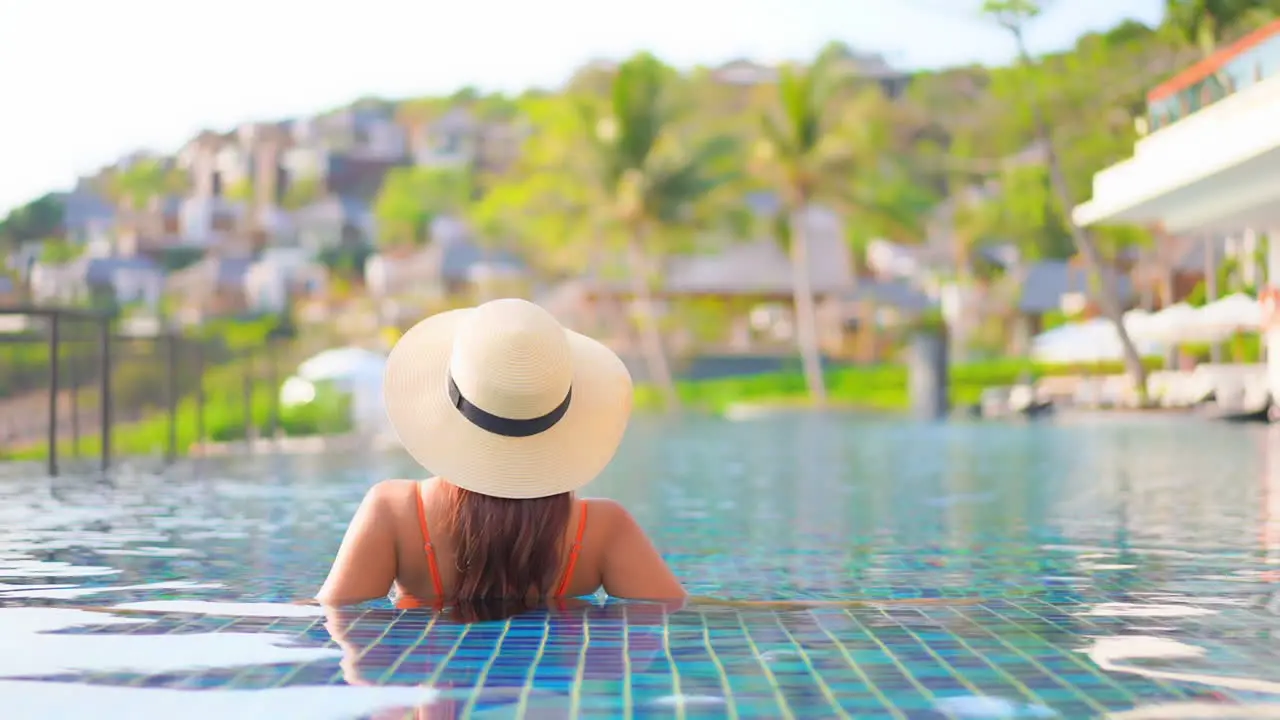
(514, 414)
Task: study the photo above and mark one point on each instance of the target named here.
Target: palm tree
(651, 182)
(972, 220)
(792, 152)
(1013, 15)
(808, 161)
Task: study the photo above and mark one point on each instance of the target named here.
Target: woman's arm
(365, 565)
(632, 566)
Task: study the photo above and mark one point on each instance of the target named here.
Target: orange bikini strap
(573, 552)
(426, 542)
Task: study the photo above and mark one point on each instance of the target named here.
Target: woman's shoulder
(606, 509)
(393, 494)
(609, 519)
(395, 487)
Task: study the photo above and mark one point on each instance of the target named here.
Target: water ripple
(1002, 571)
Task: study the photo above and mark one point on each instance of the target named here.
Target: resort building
(1208, 162)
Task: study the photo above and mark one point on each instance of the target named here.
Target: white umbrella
(348, 363)
(1232, 313)
(352, 369)
(1093, 340)
(1176, 323)
(1137, 320)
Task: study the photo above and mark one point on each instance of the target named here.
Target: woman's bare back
(384, 546)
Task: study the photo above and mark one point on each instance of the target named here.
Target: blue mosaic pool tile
(707, 661)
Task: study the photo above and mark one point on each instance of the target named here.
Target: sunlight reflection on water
(1075, 571)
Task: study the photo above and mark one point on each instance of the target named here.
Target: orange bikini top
(438, 586)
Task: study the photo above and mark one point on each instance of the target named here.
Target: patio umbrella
(1233, 313)
(347, 363)
(1093, 340)
(1177, 323)
(1088, 341)
(1137, 320)
(351, 369)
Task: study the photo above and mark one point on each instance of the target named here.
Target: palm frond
(638, 109)
(674, 187)
(778, 138)
(781, 226)
(795, 131)
(806, 99)
(882, 207)
(604, 160)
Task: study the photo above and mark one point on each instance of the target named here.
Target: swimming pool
(1074, 570)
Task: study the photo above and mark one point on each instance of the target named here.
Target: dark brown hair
(507, 550)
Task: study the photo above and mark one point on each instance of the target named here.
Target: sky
(84, 82)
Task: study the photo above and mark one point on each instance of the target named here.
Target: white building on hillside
(279, 275)
(1209, 162)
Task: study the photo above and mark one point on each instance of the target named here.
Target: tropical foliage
(412, 197)
(139, 182)
(626, 167)
(38, 219)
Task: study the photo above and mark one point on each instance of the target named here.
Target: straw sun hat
(501, 400)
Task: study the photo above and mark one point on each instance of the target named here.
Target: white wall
(195, 219)
(1209, 147)
(305, 162)
(268, 281)
(416, 274)
(264, 285)
(234, 164)
(1272, 337)
(138, 285)
(51, 283)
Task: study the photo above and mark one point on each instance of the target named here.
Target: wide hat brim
(560, 459)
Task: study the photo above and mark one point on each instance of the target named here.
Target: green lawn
(224, 417)
(881, 387)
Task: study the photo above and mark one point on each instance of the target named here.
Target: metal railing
(54, 320)
(151, 391)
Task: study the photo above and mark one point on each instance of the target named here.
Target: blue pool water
(1039, 571)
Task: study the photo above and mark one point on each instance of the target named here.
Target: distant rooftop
(1042, 285)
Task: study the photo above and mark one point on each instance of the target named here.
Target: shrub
(328, 413)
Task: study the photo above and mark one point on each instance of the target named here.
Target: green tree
(1013, 16)
(411, 197)
(56, 251)
(976, 127)
(547, 206)
(37, 219)
(240, 191)
(1027, 214)
(551, 209)
(1088, 97)
(1206, 23)
(301, 192)
(653, 181)
(137, 184)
